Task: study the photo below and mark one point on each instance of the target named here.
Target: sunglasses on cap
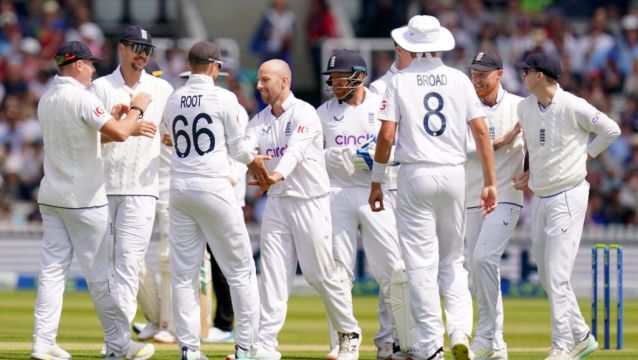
(139, 48)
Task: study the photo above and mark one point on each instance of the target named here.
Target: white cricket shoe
(482, 348)
(500, 354)
(258, 353)
(188, 354)
(584, 348)
(558, 354)
(148, 332)
(135, 351)
(385, 351)
(349, 346)
(165, 337)
(42, 351)
(460, 346)
(334, 352)
(137, 327)
(216, 335)
(415, 353)
(103, 350)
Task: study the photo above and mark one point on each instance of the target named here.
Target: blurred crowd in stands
(597, 42)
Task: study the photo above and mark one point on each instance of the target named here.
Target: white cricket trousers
(208, 212)
(557, 225)
(300, 229)
(133, 218)
(431, 224)
(350, 213)
(487, 237)
(87, 233)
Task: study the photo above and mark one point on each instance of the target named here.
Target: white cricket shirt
(131, 167)
(432, 104)
(71, 118)
(345, 125)
(381, 84)
(294, 140)
(205, 128)
(557, 140)
(508, 160)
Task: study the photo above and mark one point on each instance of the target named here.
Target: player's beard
(139, 63)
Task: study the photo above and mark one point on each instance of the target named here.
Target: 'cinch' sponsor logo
(276, 151)
(352, 139)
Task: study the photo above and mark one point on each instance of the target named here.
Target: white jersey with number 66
(203, 122)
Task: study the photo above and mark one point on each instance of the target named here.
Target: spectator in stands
(320, 25)
(275, 34)
(379, 17)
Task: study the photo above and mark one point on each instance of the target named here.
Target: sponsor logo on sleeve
(595, 118)
(384, 104)
(98, 112)
(301, 129)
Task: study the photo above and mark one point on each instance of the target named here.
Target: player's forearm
(606, 133)
(385, 139)
(120, 130)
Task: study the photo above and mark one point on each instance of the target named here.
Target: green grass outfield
(304, 335)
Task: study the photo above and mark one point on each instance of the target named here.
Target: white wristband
(378, 172)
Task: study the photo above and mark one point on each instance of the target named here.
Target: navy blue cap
(486, 61)
(541, 62)
(73, 51)
(153, 68)
(346, 61)
(136, 35)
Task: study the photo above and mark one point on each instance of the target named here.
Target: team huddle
(413, 164)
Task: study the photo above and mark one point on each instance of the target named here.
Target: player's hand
(258, 168)
(488, 199)
(274, 178)
(119, 110)
(141, 100)
(166, 139)
(520, 181)
(262, 187)
(144, 128)
(376, 197)
(334, 156)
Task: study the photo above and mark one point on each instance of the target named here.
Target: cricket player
(487, 236)
(156, 299)
(205, 130)
(131, 167)
(349, 123)
(556, 127)
(296, 223)
(73, 203)
(432, 105)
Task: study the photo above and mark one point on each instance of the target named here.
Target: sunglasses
(139, 48)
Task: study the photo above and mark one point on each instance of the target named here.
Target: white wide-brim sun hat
(424, 33)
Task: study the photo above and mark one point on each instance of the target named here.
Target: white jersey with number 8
(435, 131)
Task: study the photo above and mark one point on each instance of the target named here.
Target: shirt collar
(120, 79)
(68, 80)
(500, 93)
(200, 79)
(289, 102)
